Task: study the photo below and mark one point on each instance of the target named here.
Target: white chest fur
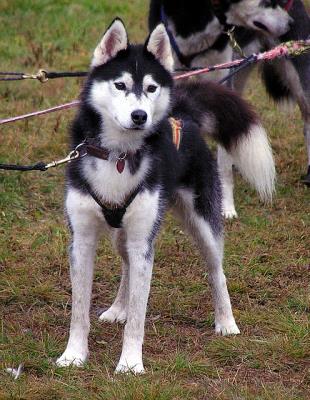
(198, 41)
(110, 185)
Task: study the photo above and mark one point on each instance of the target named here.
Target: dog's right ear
(114, 40)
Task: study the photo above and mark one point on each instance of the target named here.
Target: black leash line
(42, 75)
(245, 63)
(41, 166)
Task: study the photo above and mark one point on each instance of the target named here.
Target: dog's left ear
(158, 44)
(114, 40)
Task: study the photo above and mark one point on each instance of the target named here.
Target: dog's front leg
(84, 223)
(118, 310)
(141, 224)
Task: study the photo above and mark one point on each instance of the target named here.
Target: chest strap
(113, 215)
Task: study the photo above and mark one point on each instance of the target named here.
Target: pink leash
(47, 111)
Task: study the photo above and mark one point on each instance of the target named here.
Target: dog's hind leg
(225, 166)
(85, 225)
(306, 178)
(140, 223)
(118, 310)
(210, 242)
(299, 84)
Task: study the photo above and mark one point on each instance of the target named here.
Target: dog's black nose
(139, 117)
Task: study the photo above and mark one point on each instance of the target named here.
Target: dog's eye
(120, 85)
(151, 88)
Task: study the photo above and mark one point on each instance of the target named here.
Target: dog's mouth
(131, 127)
(261, 26)
(136, 128)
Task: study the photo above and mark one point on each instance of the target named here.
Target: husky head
(266, 16)
(129, 85)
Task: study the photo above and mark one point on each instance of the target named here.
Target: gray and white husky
(131, 170)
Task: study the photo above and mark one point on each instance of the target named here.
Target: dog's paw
(114, 314)
(71, 358)
(229, 212)
(127, 368)
(226, 328)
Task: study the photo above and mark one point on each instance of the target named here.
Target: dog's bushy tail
(252, 155)
(224, 116)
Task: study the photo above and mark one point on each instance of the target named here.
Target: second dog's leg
(225, 164)
(306, 178)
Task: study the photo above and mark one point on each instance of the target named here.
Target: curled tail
(224, 116)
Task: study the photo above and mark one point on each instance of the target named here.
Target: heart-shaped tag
(120, 165)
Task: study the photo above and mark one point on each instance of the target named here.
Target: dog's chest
(108, 183)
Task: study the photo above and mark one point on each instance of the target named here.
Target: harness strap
(113, 216)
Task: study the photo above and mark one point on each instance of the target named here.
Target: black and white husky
(197, 31)
(130, 171)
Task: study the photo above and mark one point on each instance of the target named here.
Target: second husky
(131, 170)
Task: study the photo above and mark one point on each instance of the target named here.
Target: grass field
(267, 249)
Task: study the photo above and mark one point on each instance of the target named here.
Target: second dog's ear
(114, 40)
(158, 44)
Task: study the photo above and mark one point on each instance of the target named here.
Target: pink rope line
(285, 49)
(42, 112)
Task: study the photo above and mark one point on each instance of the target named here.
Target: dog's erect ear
(158, 44)
(114, 40)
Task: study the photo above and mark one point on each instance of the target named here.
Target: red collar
(288, 5)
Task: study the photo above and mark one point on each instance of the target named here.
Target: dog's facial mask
(131, 84)
(262, 15)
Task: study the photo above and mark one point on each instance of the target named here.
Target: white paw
(225, 328)
(229, 212)
(132, 367)
(114, 314)
(71, 358)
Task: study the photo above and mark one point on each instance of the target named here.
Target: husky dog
(130, 170)
(197, 31)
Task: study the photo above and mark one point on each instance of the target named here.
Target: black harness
(112, 214)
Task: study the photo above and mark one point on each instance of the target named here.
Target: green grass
(266, 255)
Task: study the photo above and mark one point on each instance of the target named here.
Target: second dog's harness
(114, 215)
